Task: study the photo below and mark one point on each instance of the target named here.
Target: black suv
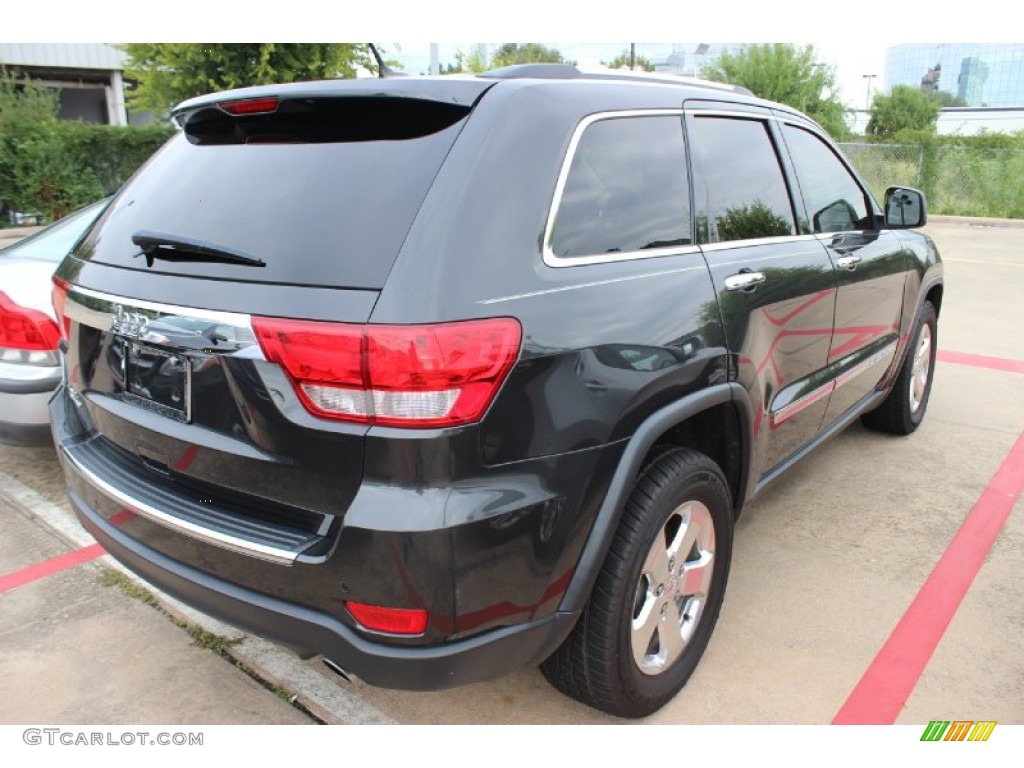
(445, 377)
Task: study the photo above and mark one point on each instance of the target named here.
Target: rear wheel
(903, 410)
(658, 594)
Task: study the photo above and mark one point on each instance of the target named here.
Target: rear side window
(323, 196)
(835, 201)
(626, 189)
(738, 174)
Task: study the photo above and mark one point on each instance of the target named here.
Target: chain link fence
(959, 181)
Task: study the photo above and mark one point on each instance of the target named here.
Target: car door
(776, 287)
(870, 267)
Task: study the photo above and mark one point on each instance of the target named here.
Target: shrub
(51, 166)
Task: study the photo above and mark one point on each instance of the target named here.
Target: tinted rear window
(328, 210)
(626, 190)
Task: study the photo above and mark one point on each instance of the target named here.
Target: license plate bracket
(158, 380)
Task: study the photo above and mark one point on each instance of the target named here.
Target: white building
(960, 121)
(88, 77)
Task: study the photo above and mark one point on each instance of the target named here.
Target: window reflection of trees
(747, 222)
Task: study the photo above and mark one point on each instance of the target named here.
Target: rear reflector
(25, 332)
(395, 375)
(250, 106)
(396, 621)
(59, 297)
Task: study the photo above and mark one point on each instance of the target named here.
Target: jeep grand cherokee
(445, 377)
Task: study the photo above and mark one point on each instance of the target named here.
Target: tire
(621, 658)
(903, 410)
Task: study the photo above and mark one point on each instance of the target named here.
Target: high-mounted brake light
(395, 375)
(397, 621)
(250, 106)
(26, 335)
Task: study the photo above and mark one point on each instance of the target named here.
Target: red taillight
(250, 106)
(397, 621)
(395, 375)
(60, 297)
(26, 329)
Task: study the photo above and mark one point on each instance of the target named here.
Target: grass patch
(112, 578)
(208, 641)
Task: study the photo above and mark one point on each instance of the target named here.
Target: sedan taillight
(26, 335)
(437, 375)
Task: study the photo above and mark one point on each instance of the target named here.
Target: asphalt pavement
(879, 578)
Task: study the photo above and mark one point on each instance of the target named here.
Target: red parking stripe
(981, 361)
(53, 565)
(889, 681)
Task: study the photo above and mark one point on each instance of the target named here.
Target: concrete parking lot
(877, 582)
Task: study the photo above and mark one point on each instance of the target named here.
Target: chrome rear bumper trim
(226, 541)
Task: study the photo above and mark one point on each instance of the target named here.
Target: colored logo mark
(958, 730)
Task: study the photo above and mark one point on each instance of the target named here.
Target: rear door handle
(744, 281)
(849, 263)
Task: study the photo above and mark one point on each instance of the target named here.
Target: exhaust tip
(337, 669)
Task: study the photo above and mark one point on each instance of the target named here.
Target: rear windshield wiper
(156, 245)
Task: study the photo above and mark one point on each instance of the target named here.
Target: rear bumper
(476, 659)
(291, 617)
(25, 435)
(24, 417)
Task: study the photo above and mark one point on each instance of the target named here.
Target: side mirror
(905, 208)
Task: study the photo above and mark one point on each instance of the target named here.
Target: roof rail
(571, 72)
(541, 71)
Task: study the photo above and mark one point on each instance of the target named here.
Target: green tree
(526, 53)
(35, 174)
(905, 107)
(168, 73)
(53, 166)
(622, 62)
(473, 60)
(947, 99)
(786, 74)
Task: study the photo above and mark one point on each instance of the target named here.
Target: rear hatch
(270, 203)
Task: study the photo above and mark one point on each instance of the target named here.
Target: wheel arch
(690, 422)
(934, 295)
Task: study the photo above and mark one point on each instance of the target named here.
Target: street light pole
(867, 100)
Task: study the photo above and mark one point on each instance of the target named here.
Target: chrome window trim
(816, 130)
(554, 260)
(699, 112)
(764, 118)
(551, 259)
(724, 245)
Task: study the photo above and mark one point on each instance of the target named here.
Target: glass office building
(973, 74)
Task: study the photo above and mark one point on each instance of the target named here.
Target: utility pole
(632, 56)
(867, 100)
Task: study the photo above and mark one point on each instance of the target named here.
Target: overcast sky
(853, 36)
(852, 61)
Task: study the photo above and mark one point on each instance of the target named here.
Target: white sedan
(29, 363)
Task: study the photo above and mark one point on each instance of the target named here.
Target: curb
(315, 693)
(976, 221)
